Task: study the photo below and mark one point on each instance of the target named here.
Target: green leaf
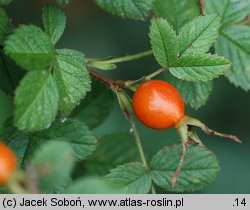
(92, 110)
(4, 21)
(36, 101)
(53, 164)
(177, 12)
(5, 2)
(71, 131)
(164, 42)
(133, 175)
(200, 67)
(10, 74)
(231, 11)
(200, 168)
(72, 78)
(30, 47)
(54, 22)
(193, 93)
(63, 2)
(234, 44)
(106, 157)
(197, 36)
(134, 9)
(92, 185)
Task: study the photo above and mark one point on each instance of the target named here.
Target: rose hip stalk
(158, 105)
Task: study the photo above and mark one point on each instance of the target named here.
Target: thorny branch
(107, 81)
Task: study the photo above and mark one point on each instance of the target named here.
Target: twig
(107, 81)
(126, 58)
(202, 7)
(121, 83)
(154, 74)
(137, 140)
(139, 146)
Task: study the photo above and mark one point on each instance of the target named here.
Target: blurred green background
(98, 34)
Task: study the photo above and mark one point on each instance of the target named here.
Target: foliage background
(98, 34)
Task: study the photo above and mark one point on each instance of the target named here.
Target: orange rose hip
(158, 105)
(7, 163)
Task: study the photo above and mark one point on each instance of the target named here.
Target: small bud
(124, 102)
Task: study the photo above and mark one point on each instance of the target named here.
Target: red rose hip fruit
(158, 105)
(7, 163)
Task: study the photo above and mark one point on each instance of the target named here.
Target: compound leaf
(200, 168)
